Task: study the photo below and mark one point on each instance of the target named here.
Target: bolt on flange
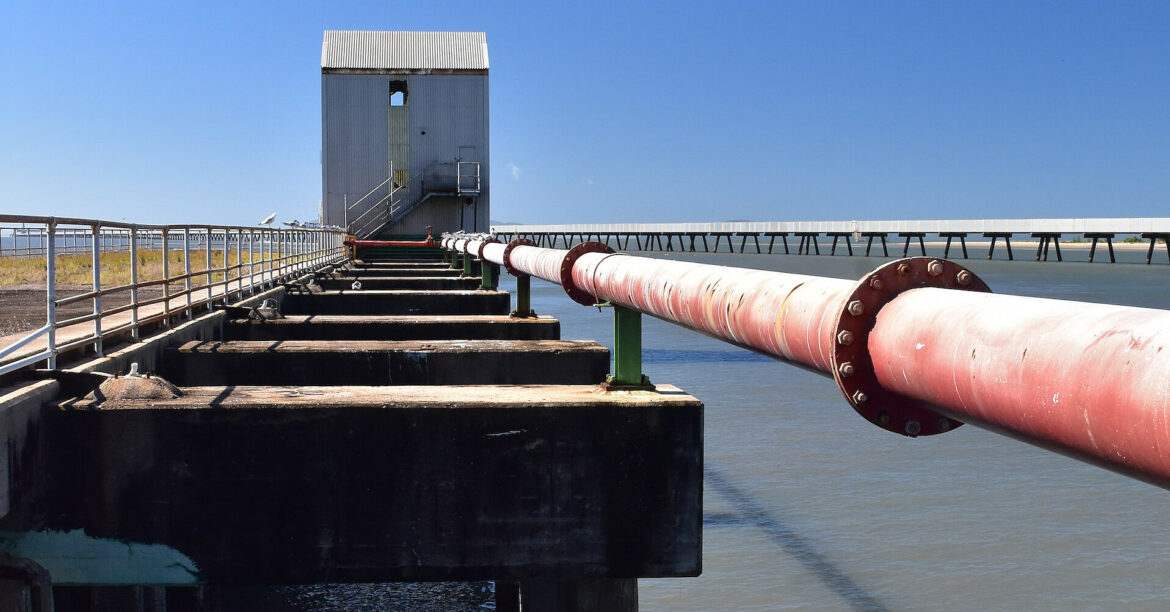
(850, 362)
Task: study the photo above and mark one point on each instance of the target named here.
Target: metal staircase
(441, 179)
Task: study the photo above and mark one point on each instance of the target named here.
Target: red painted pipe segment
(788, 316)
(428, 243)
(537, 261)
(471, 246)
(494, 252)
(1088, 380)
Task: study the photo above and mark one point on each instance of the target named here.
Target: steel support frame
(627, 349)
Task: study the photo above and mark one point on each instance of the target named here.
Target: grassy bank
(77, 269)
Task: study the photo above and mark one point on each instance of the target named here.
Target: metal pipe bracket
(852, 367)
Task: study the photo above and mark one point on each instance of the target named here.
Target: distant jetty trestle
(843, 237)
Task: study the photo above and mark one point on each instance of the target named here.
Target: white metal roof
(408, 51)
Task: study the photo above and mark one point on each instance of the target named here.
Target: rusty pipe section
(1088, 380)
(789, 316)
(538, 261)
(482, 246)
(493, 252)
(916, 356)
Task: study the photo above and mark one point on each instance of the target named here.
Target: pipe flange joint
(508, 255)
(851, 364)
(483, 243)
(575, 293)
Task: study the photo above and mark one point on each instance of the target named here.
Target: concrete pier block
(433, 283)
(386, 362)
(398, 302)
(395, 327)
(275, 485)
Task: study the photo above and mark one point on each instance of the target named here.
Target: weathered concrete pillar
(589, 595)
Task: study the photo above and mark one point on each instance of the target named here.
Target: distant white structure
(268, 220)
(404, 131)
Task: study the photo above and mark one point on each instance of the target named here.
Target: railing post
(273, 257)
(627, 348)
(207, 265)
(187, 269)
(166, 255)
(51, 293)
(251, 262)
(263, 277)
(240, 263)
(295, 238)
(226, 275)
(96, 261)
(134, 283)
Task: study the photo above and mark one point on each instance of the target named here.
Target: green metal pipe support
(523, 297)
(627, 349)
(466, 264)
(485, 275)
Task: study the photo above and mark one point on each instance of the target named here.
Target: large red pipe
(1088, 380)
(911, 353)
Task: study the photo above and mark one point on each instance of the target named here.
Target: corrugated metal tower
(404, 132)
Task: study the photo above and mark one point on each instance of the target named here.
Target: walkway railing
(169, 271)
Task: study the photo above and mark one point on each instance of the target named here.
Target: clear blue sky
(611, 112)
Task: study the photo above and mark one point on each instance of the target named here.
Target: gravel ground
(22, 308)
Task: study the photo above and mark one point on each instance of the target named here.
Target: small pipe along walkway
(397, 420)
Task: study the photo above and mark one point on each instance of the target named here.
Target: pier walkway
(396, 420)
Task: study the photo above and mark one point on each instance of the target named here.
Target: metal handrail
(390, 191)
(459, 175)
(376, 187)
(274, 255)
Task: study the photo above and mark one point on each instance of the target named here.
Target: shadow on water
(793, 543)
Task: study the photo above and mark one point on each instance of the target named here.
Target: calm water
(810, 507)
